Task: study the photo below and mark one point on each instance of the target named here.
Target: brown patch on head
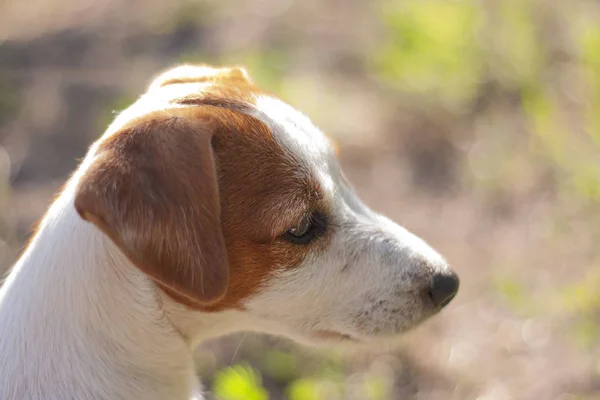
(264, 192)
(199, 196)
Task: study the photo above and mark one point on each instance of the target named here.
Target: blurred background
(475, 124)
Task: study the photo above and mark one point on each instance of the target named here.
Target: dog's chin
(358, 341)
(329, 339)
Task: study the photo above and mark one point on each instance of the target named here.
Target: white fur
(79, 321)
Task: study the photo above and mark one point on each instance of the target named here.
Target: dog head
(230, 199)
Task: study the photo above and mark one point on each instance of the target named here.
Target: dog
(207, 207)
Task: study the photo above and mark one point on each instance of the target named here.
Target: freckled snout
(443, 288)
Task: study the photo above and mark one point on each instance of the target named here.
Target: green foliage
(580, 174)
(590, 54)
(240, 382)
(267, 67)
(279, 365)
(584, 295)
(333, 386)
(430, 48)
(516, 56)
(582, 300)
(315, 389)
(514, 292)
(325, 382)
(550, 124)
(586, 333)
(375, 387)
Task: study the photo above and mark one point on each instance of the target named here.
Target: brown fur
(153, 190)
(199, 197)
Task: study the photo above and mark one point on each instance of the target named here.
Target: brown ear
(152, 189)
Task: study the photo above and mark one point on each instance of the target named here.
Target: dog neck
(78, 320)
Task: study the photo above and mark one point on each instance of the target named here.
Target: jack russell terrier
(207, 207)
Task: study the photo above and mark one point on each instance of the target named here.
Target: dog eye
(308, 229)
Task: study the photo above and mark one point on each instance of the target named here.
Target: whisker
(237, 350)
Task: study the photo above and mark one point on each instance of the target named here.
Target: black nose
(443, 288)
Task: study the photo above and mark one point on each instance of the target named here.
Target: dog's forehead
(297, 135)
